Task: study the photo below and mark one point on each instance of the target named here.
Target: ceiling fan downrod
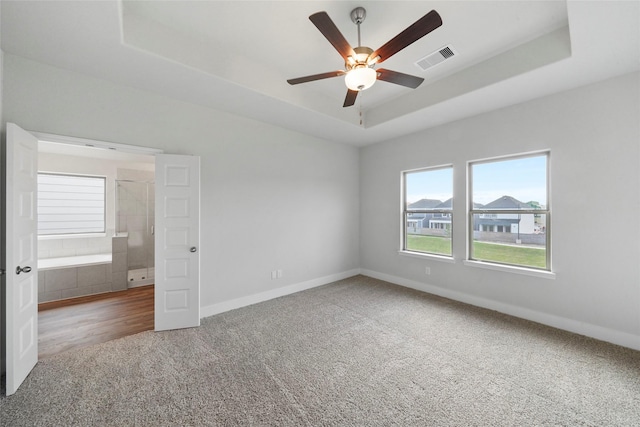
(357, 17)
(363, 53)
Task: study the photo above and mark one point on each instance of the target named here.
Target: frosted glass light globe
(360, 78)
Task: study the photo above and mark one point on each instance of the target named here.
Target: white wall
(594, 137)
(271, 198)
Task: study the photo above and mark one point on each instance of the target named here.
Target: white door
(21, 259)
(177, 242)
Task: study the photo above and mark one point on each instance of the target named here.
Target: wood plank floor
(84, 321)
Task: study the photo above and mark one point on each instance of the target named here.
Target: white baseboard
(221, 307)
(598, 332)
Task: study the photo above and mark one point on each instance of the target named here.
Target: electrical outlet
(274, 274)
(427, 270)
(279, 274)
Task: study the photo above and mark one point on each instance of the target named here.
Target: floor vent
(436, 57)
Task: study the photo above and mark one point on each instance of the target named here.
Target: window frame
(447, 213)
(471, 211)
(78, 233)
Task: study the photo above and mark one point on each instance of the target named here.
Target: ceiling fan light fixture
(360, 78)
(373, 61)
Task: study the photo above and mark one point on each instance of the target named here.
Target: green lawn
(523, 256)
(506, 254)
(430, 244)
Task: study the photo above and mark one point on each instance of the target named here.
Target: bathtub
(76, 276)
(73, 261)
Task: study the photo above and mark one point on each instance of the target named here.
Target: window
(509, 213)
(70, 204)
(426, 213)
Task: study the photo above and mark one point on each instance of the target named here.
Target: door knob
(193, 249)
(23, 269)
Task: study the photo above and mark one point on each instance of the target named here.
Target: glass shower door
(135, 207)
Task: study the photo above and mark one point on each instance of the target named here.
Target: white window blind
(70, 204)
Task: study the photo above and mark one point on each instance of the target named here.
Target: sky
(522, 178)
(430, 184)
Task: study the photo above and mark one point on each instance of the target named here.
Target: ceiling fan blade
(350, 99)
(415, 31)
(314, 77)
(331, 32)
(399, 78)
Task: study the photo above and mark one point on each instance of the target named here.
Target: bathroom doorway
(176, 291)
(87, 303)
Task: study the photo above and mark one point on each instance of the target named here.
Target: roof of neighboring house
(447, 204)
(506, 202)
(425, 204)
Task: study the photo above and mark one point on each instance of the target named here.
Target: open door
(177, 242)
(21, 259)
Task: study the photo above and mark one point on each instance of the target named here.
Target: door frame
(91, 143)
(61, 139)
(95, 144)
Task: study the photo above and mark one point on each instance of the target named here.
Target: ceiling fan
(360, 62)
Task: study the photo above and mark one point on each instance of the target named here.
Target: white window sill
(71, 236)
(511, 269)
(441, 258)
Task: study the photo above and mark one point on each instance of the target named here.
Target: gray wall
(594, 136)
(261, 185)
(2, 210)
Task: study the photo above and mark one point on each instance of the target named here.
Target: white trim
(624, 339)
(233, 304)
(425, 256)
(545, 151)
(72, 140)
(510, 269)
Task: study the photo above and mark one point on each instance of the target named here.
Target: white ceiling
(236, 55)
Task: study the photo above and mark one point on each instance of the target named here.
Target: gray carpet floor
(358, 352)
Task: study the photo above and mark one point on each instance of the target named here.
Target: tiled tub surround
(52, 247)
(74, 276)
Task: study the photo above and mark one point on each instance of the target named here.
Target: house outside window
(510, 216)
(426, 210)
(70, 204)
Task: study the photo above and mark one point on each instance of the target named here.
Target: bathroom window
(70, 204)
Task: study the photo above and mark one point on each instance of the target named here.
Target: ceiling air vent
(436, 57)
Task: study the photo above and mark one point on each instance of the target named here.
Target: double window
(70, 204)
(508, 217)
(428, 203)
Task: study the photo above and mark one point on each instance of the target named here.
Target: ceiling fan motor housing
(361, 58)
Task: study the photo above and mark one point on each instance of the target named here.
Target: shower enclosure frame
(138, 275)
